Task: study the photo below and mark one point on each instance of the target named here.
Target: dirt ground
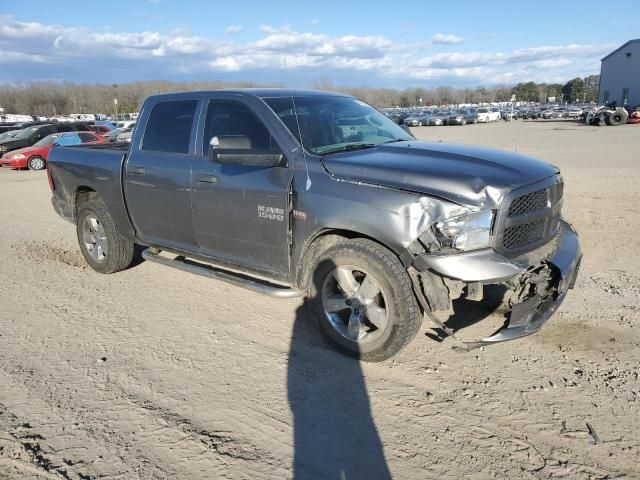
(155, 373)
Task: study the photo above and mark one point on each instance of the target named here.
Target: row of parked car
(461, 116)
(27, 144)
(437, 117)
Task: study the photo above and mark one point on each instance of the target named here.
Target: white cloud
(233, 29)
(149, 54)
(442, 39)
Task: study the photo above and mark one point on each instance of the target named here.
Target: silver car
(437, 119)
(462, 117)
(417, 120)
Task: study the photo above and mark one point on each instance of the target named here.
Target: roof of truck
(260, 92)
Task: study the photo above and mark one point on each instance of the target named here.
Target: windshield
(26, 132)
(48, 140)
(333, 123)
(9, 134)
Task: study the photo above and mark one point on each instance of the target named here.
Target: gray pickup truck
(306, 193)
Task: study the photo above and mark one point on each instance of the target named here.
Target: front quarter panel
(392, 217)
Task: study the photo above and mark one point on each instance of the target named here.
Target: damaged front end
(533, 256)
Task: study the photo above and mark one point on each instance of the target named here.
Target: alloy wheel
(94, 237)
(355, 304)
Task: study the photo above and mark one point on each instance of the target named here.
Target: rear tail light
(52, 185)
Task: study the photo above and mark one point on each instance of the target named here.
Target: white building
(620, 75)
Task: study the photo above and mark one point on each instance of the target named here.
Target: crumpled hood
(468, 175)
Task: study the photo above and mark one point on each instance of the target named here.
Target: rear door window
(169, 127)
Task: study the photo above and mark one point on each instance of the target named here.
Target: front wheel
(102, 246)
(36, 163)
(362, 298)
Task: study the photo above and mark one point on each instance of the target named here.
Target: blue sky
(374, 43)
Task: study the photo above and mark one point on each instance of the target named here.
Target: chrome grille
(529, 217)
(523, 234)
(531, 201)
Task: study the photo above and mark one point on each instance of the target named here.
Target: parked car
(30, 135)
(486, 115)
(462, 117)
(35, 156)
(101, 130)
(437, 119)
(126, 134)
(114, 135)
(417, 120)
(287, 200)
(8, 134)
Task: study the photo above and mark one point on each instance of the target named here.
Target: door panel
(158, 176)
(157, 189)
(240, 212)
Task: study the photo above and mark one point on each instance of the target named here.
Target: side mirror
(237, 150)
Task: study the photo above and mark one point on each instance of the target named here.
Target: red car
(35, 156)
(101, 130)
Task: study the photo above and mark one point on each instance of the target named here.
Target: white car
(125, 124)
(486, 115)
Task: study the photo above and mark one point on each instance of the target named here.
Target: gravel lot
(154, 373)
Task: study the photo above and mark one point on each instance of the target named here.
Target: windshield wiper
(350, 147)
(399, 140)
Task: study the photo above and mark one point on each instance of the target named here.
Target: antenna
(295, 113)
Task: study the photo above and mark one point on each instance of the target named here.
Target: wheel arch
(315, 240)
(81, 195)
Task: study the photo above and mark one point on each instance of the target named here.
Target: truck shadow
(335, 436)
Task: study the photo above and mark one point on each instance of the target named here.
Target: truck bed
(95, 168)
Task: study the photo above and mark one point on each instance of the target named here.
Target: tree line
(63, 98)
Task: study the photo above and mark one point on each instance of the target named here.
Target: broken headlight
(469, 231)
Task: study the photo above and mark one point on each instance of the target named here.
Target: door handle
(207, 179)
(136, 170)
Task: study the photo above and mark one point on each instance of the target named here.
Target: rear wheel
(362, 298)
(36, 163)
(617, 118)
(104, 249)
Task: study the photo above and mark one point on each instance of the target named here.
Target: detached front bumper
(489, 267)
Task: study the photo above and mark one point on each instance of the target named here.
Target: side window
(64, 128)
(169, 127)
(43, 132)
(231, 118)
(67, 140)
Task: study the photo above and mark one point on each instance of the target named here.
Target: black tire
(120, 250)
(617, 118)
(404, 314)
(36, 163)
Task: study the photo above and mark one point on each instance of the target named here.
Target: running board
(209, 271)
